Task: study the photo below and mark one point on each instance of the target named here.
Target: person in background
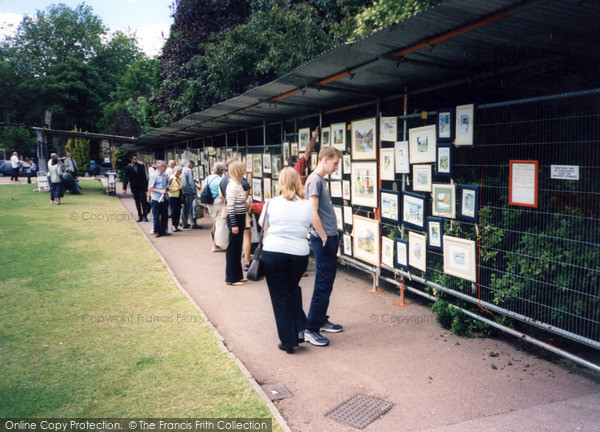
(175, 188)
(135, 175)
(55, 171)
(157, 187)
(219, 229)
(32, 170)
(170, 169)
(236, 221)
(325, 242)
(151, 172)
(15, 164)
(190, 192)
(302, 164)
(72, 171)
(286, 219)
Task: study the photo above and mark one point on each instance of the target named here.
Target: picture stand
(402, 287)
(375, 289)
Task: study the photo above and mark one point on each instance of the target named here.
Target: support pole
(402, 287)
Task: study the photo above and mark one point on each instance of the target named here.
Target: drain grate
(276, 391)
(360, 411)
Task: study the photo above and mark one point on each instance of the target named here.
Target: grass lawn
(92, 325)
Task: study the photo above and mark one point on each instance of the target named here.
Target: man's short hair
(132, 156)
(158, 163)
(329, 152)
(292, 161)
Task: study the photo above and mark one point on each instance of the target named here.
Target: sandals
(246, 267)
(235, 283)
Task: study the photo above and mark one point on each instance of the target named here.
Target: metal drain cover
(276, 391)
(359, 411)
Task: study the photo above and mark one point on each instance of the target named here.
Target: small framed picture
(249, 162)
(257, 189)
(285, 152)
(337, 174)
(523, 183)
(335, 187)
(346, 190)
(417, 251)
(444, 200)
(339, 217)
(443, 165)
(325, 136)
(275, 165)
(348, 215)
(401, 254)
(364, 184)
(414, 210)
(445, 125)
(459, 258)
(267, 188)
(363, 141)
(387, 169)
(257, 168)
(276, 189)
(387, 252)
(435, 233)
(303, 138)
(422, 144)
(313, 161)
(347, 164)
(366, 239)
(388, 130)
(338, 136)
(347, 240)
(294, 149)
(401, 157)
(422, 178)
(266, 163)
(469, 202)
(390, 206)
(464, 124)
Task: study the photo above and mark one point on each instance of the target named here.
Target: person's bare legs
(247, 245)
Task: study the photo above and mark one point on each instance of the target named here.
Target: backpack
(206, 195)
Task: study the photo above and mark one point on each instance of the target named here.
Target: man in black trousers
(135, 175)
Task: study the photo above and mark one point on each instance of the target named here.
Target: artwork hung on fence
(339, 217)
(335, 187)
(228, 153)
(325, 136)
(459, 258)
(249, 178)
(435, 233)
(445, 125)
(444, 200)
(257, 165)
(401, 157)
(249, 162)
(257, 189)
(366, 239)
(285, 152)
(211, 151)
(303, 138)
(275, 165)
(387, 252)
(313, 160)
(266, 163)
(390, 206)
(364, 184)
(347, 164)
(338, 136)
(386, 160)
(464, 124)
(417, 251)
(388, 129)
(444, 160)
(363, 140)
(401, 254)
(422, 178)
(422, 144)
(523, 183)
(337, 174)
(348, 215)
(346, 194)
(414, 210)
(469, 202)
(223, 155)
(266, 188)
(347, 240)
(276, 189)
(294, 149)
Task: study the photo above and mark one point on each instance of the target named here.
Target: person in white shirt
(170, 169)
(15, 163)
(286, 219)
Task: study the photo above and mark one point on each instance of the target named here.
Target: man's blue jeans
(326, 261)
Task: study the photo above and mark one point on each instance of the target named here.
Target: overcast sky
(150, 19)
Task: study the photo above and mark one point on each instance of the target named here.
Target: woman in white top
(285, 256)
(55, 171)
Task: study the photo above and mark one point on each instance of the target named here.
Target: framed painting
(401, 157)
(444, 200)
(422, 178)
(445, 125)
(390, 206)
(325, 136)
(228, 153)
(422, 144)
(387, 252)
(366, 239)
(347, 240)
(346, 164)
(249, 162)
(275, 165)
(339, 217)
(464, 124)
(523, 183)
(401, 254)
(459, 258)
(266, 163)
(387, 166)
(303, 138)
(276, 189)
(363, 140)
(338, 136)
(364, 184)
(335, 189)
(435, 233)
(346, 194)
(388, 129)
(348, 215)
(257, 168)
(414, 210)
(444, 162)
(285, 152)
(249, 177)
(257, 189)
(313, 161)
(223, 155)
(469, 202)
(337, 174)
(211, 151)
(417, 251)
(294, 149)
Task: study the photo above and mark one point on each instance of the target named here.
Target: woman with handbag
(219, 229)
(286, 219)
(175, 187)
(236, 221)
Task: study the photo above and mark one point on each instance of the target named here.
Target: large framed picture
(417, 251)
(348, 215)
(523, 183)
(364, 184)
(335, 188)
(414, 210)
(303, 138)
(469, 203)
(390, 206)
(267, 189)
(387, 252)
(401, 254)
(257, 168)
(266, 163)
(275, 165)
(422, 144)
(339, 217)
(435, 233)
(338, 136)
(444, 200)
(347, 240)
(363, 140)
(347, 164)
(388, 169)
(285, 152)
(459, 258)
(346, 194)
(325, 136)
(445, 125)
(444, 160)
(422, 178)
(464, 124)
(388, 129)
(366, 239)
(401, 157)
(257, 189)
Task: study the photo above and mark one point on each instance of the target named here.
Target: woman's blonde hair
(290, 183)
(237, 171)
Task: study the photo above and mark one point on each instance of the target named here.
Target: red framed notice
(523, 183)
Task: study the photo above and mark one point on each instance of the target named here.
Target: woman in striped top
(236, 221)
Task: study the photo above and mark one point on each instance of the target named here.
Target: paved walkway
(436, 381)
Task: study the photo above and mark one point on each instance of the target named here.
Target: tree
(17, 138)
(80, 148)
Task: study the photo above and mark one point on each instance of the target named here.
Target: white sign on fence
(564, 172)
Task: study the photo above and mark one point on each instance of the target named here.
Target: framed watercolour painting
(443, 164)
(364, 184)
(337, 174)
(387, 166)
(464, 124)
(523, 183)
(294, 149)
(347, 164)
(390, 206)
(401, 157)
(348, 215)
(285, 152)
(257, 189)
(444, 200)
(335, 189)
(435, 233)
(363, 140)
(459, 258)
(339, 217)
(325, 136)
(469, 203)
(387, 252)
(303, 138)
(388, 129)
(249, 162)
(414, 210)
(275, 165)
(401, 254)
(257, 165)
(445, 125)
(417, 251)
(422, 178)
(346, 190)
(267, 189)
(422, 144)
(313, 161)
(366, 239)
(347, 240)
(266, 163)
(276, 189)
(338, 136)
